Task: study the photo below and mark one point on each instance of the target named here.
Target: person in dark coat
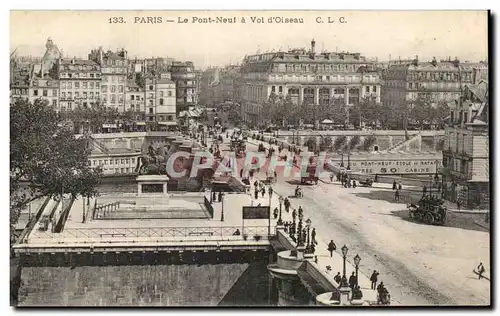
(354, 184)
(374, 279)
(480, 270)
(331, 248)
(352, 281)
(263, 191)
(337, 277)
(400, 187)
(396, 195)
(270, 192)
(220, 196)
(294, 214)
(256, 193)
(275, 212)
(214, 196)
(424, 190)
(313, 236)
(394, 185)
(287, 205)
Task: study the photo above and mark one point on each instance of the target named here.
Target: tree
(439, 113)
(369, 142)
(47, 155)
(355, 140)
(421, 108)
(325, 143)
(339, 143)
(310, 143)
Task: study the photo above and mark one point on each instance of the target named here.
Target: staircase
(405, 145)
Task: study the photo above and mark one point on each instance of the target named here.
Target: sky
(374, 34)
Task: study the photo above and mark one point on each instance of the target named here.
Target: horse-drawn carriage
(430, 210)
(366, 183)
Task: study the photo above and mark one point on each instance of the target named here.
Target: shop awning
(168, 123)
(140, 123)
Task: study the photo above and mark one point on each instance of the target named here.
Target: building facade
(114, 67)
(80, 83)
(160, 97)
(339, 79)
(134, 99)
(44, 89)
(442, 80)
(184, 76)
(466, 154)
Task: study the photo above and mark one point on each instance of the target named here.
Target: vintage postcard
(249, 158)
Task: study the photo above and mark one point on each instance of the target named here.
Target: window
(70, 95)
(113, 89)
(170, 93)
(367, 89)
(151, 88)
(97, 95)
(54, 102)
(121, 170)
(117, 170)
(117, 161)
(126, 160)
(77, 94)
(97, 85)
(70, 85)
(63, 95)
(132, 97)
(111, 161)
(44, 92)
(273, 89)
(84, 85)
(63, 85)
(54, 93)
(91, 95)
(280, 89)
(132, 160)
(69, 76)
(123, 161)
(161, 94)
(161, 101)
(120, 89)
(150, 110)
(113, 79)
(113, 98)
(120, 98)
(84, 94)
(77, 84)
(374, 89)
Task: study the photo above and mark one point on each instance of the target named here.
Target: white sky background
(372, 33)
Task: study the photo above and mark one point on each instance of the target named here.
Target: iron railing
(153, 233)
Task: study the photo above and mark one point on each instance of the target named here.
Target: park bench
(112, 235)
(201, 234)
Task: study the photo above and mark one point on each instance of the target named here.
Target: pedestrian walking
(424, 190)
(337, 277)
(263, 191)
(313, 237)
(331, 177)
(270, 192)
(394, 185)
(396, 195)
(316, 259)
(275, 176)
(294, 214)
(349, 184)
(352, 281)
(256, 193)
(287, 205)
(480, 270)
(354, 184)
(331, 248)
(400, 187)
(374, 279)
(275, 212)
(458, 204)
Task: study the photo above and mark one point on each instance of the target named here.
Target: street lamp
(348, 160)
(344, 255)
(308, 225)
(300, 241)
(430, 186)
(222, 213)
(280, 221)
(342, 161)
(357, 260)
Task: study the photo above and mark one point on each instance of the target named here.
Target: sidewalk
(336, 262)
